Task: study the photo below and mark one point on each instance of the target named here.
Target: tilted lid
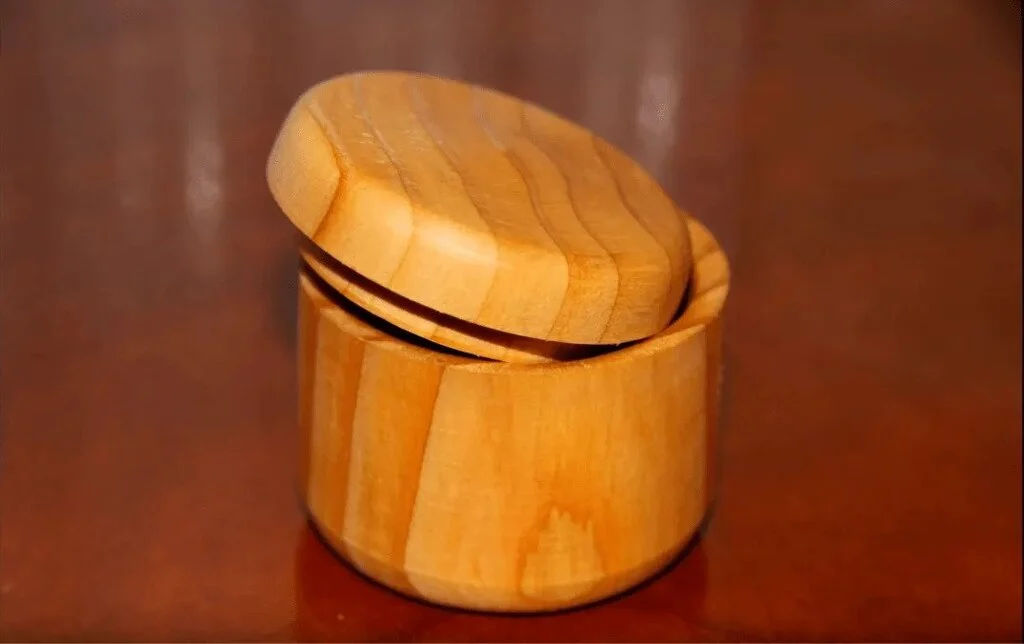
(482, 207)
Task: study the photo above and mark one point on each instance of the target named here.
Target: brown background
(860, 161)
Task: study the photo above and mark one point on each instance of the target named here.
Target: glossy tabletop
(860, 162)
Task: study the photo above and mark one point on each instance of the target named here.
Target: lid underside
(432, 326)
(482, 207)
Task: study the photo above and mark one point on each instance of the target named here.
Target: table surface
(860, 161)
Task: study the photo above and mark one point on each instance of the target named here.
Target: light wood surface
(870, 482)
(444, 330)
(507, 486)
(482, 207)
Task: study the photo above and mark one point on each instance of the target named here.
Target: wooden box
(509, 345)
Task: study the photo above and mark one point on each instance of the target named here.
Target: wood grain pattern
(508, 486)
(442, 329)
(481, 207)
(870, 481)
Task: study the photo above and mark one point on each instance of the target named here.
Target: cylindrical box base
(509, 487)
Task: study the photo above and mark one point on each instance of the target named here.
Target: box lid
(482, 207)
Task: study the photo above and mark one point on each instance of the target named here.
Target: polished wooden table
(860, 161)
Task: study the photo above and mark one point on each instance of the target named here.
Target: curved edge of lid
(432, 326)
(704, 309)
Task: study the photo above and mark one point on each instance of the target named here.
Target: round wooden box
(509, 345)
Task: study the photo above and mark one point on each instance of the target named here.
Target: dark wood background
(860, 161)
